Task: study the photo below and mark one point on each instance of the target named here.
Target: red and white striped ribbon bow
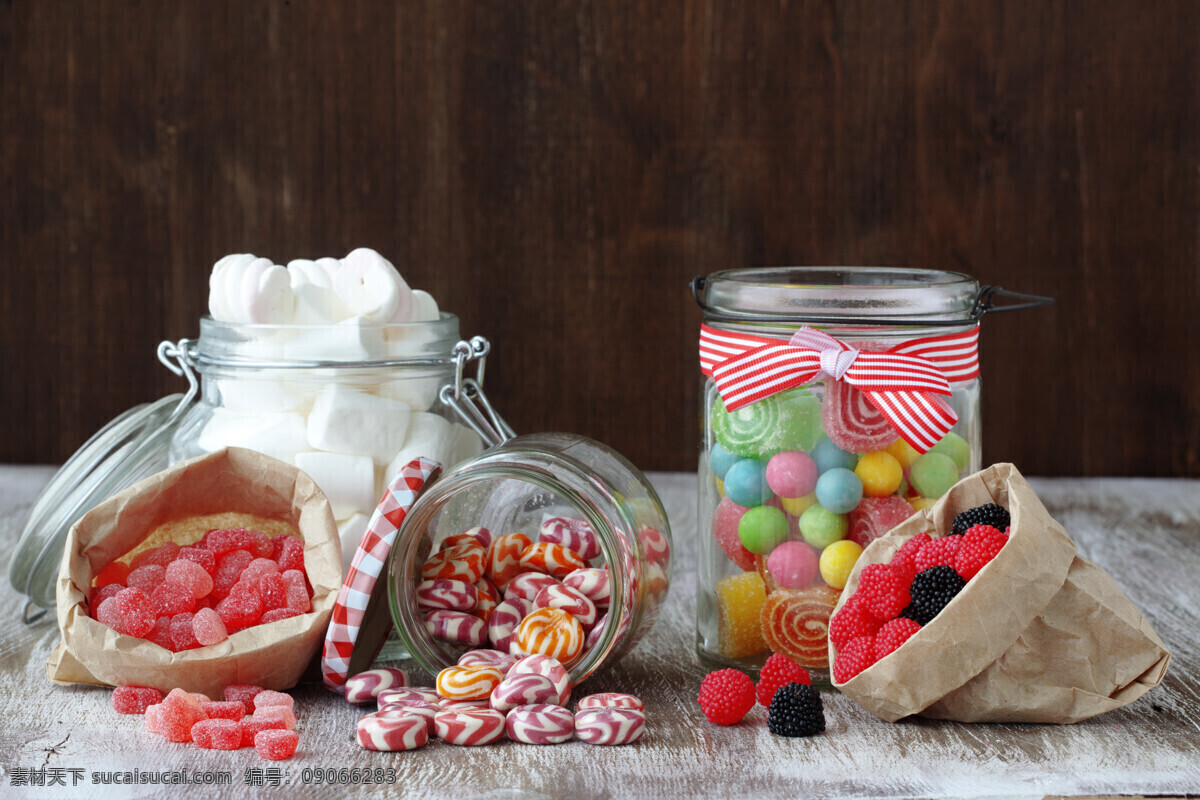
(903, 383)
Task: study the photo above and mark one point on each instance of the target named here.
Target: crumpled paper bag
(273, 656)
(1038, 635)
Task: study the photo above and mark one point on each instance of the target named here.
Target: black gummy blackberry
(931, 591)
(796, 711)
(991, 514)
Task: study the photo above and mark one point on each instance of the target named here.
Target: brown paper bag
(232, 480)
(1038, 635)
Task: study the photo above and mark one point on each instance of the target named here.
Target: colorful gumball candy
(746, 483)
(880, 473)
(839, 490)
(793, 565)
(762, 528)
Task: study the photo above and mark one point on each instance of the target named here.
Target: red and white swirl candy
(490, 658)
(504, 619)
(655, 546)
(408, 694)
(469, 727)
(487, 598)
(573, 534)
(458, 627)
(417, 708)
(655, 577)
(523, 690)
(547, 667)
(591, 582)
(468, 683)
(442, 593)
(552, 559)
(464, 705)
(503, 561)
(540, 724)
(610, 700)
(390, 731)
(461, 562)
(527, 585)
(609, 726)
(549, 632)
(366, 686)
(481, 535)
(569, 600)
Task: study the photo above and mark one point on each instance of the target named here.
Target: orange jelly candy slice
(796, 624)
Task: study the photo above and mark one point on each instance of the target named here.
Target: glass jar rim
(839, 294)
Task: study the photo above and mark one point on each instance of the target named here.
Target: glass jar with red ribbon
(836, 403)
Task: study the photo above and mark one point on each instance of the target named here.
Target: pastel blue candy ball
(839, 490)
(829, 456)
(720, 460)
(746, 483)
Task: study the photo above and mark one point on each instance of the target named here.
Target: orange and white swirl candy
(503, 561)
(462, 562)
(475, 682)
(552, 559)
(550, 632)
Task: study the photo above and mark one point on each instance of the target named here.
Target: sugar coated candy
(251, 727)
(523, 690)
(574, 534)
(570, 600)
(276, 745)
(852, 422)
(137, 616)
(491, 658)
(551, 632)
(288, 553)
(135, 699)
(610, 700)
(552, 559)
(170, 598)
(190, 574)
(468, 683)
(393, 730)
(115, 572)
(146, 577)
(282, 713)
(796, 624)
(217, 734)
(178, 712)
(366, 686)
(591, 582)
(469, 727)
(540, 724)
(269, 697)
(244, 693)
(549, 668)
(609, 725)
(740, 600)
(208, 627)
(458, 627)
(276, 614)
(206, 558)
(224, 709)
(875, 516)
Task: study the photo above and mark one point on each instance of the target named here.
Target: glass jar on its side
(794, 483)
(514, 488)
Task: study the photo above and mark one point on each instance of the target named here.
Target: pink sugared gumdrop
(267, 698)
(276, 745)
(791, 473)
(179, 712)
(793, 565)
(135, 699)
(251, 728)
(109, 613)
(102, 594)
(199, 555)
(244, 693)
(276, 614)
(183, 636)
(137, 618)
(160, 634)
(192, 575)
(224, 709)
(289, 553)
(273, 591)
(159, 555)
(275, 712)
(298, 598)
(257, 568)
(229, 569)
(217, 734)
(208, 627)
(725, 530)
(146, 577)
(242, 607)
(170, 598)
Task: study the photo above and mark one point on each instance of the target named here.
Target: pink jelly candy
(229, 569)
(242, 607)
(273, 591)
(160, 634)
(252, 726)
(109, 613)
(135, 699)
(159, 555)
(852, 422)
(207, 559)
(224, 709)
(226, 540)
(170, 598)
(283, 713)
(243, 693)
(190, 574)
(146, 577)
(183, 635)
(179, 711)
(288, 553)
(298, 596)
(875, 516)
(102, 594)
(115, 572)
(258, 568)
(268, 698)
(137, 618)
(276, 614)
(276, 745)
(208, 627)
(217, 734)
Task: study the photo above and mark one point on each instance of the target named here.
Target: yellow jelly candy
(740, 600)
(903, 452)
(922, 503)
(837, 560)
(720, 487)
(796, 505)
(880, 474)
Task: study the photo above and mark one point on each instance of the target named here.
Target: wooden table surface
(1145, 532)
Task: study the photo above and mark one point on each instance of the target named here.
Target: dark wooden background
(556, 172)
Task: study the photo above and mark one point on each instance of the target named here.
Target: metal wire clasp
(466, 395)
(177, 357)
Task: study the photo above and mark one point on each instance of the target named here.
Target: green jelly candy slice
(790, 420)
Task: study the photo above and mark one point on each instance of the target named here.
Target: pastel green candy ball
(933, 474)
(821, 527)
(955, 447)
(762, 529)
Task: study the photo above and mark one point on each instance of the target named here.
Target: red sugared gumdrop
(224, 709)
(289, 553)
(276, 745)
(116, 572)
(242, 607)
(199, 555)
(102, 594)
(251, 728)
(159, 555)
(170, 598)
(243, 693)
(208, 627)
(135, 699)
(229, 569)
(160, 634)
(146, 577)
(183, 636)
(190, 574)
(137, 618)
(725, 529)
(276, 614)
(273, 591)
(179, 711)
(269, 697)
(109, 613)
(257, 568)
(275, 712)
(217, 734)
(298, 598)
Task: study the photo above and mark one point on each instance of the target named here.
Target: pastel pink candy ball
(793, 565)
(791, 473)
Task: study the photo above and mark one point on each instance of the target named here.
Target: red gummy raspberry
(893, 634)
(938, 553)
(726, 696)
(904, 562)
(850, 622)
(980, 544)
(882, 591)
(852, 659)
(779, 671)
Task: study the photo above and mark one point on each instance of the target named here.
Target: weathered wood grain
(1146, 533)
(555, 172)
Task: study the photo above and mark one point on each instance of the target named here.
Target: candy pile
(217, 725)
(784, 687)
(349, 436)
(550, 597)
(487, 696)
(806, 481)
(894, 600)
(186, 597)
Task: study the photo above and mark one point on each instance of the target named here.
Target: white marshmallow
(279, 435)
(466, 444)
(348, 481)
(429, 436)
(243, 288)
(316, 301)
(417, 390)
(255, 396)
(343, 420)
(218, 294)
(424, 307)
(369, 285)
(353, 339)
(351, 532)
